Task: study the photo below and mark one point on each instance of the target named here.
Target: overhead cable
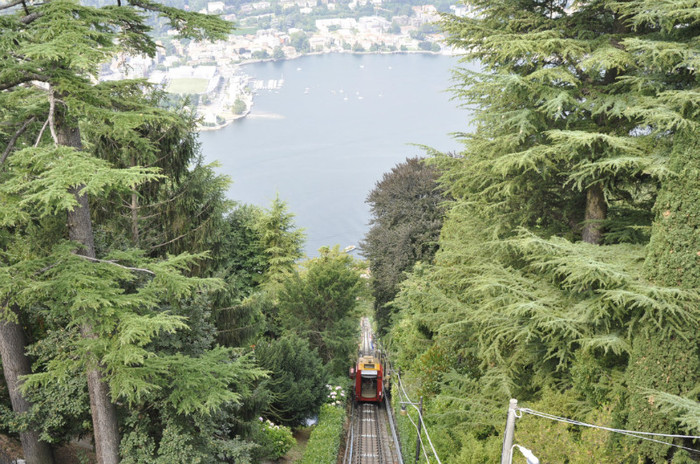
(422, 420)
(422, 447)
(631, 433)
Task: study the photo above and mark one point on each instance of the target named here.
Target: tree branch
(41, 132)
(31, 18)
(9, 85)
(114, 263)
(11, 4)
(52, 108)
(14, 138)
(180, 236)
(28, 77)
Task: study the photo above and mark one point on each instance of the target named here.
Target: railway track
(369, 440)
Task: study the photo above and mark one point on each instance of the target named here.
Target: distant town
(211, 76)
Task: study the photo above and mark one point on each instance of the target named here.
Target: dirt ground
(75, 454)
(11, 449)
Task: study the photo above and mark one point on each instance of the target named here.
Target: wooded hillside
(567, 269)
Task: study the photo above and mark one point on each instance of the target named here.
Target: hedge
(324, 442)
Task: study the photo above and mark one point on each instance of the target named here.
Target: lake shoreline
(230, 119)
(323, 150)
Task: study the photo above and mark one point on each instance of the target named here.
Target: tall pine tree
(539, 289)
(50, 54)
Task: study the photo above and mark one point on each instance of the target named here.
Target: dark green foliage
(297, 380)
(663, 362)
(138, 165)
(552, 124)
(258, 253)
(240, 261)
(669, 364)
(318, 304)
(60, 409)
(324, 442)
(180, 440)
(544, 288)
(673, 257)
(405, 226)
(280, 240)
(273, 440)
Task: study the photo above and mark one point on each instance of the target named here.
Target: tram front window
(369, 387)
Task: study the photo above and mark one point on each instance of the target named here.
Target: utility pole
(509, 433)
(420, 424)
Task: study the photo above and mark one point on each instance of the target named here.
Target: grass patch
(188, 85)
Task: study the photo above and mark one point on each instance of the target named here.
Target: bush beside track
(324, 443)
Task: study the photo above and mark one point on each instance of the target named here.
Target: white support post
(507, 450)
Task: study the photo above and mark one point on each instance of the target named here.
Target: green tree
(318, 304)
(239, 106)
(539, 291)
(280, 241)
(241, 262)
(405, 227)
(278, 53)
(261, 54)
(275, 247)
(297, 379)
(300, 42)
(661, 360)
(62, 44)
(558, 148)
(425, 45)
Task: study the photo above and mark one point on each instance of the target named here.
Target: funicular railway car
(369, 373)
(369, 379)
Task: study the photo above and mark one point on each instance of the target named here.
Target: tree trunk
(134, 211)
(15, 364)
(135, 218)
(596, 212)
(104, 413)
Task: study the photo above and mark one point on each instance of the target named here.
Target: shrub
(324, 443)
(275, 440)
(296, 379)
(336, 395)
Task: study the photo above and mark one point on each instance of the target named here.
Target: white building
(342, 23)
(375, 24)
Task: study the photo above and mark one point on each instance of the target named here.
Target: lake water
(328, 135)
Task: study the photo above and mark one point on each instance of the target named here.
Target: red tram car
(369, 379)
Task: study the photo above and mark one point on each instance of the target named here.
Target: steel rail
(392, 426)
